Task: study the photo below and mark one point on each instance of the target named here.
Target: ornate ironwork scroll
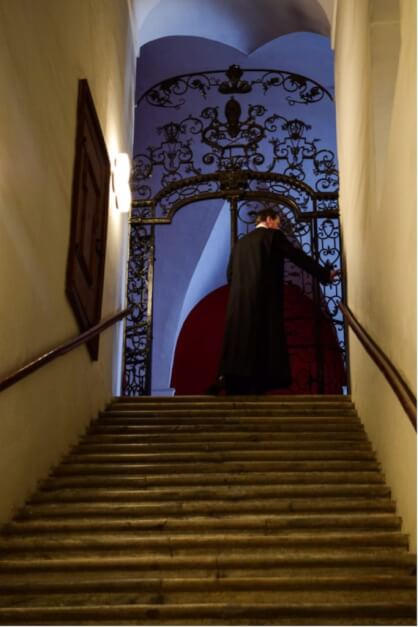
(243, 153)
(138, 330)
(240, 150)
(170, 93)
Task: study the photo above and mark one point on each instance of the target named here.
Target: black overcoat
(255, 341)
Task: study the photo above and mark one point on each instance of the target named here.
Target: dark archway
(249, 159)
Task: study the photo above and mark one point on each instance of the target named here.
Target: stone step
(231, 416)
(239, 461)
(192, 523)
(259, 408)
(90, 545)
(218, 561)
(139, 470)
(213, 492)
(316, 399)
(89, 447)
(175, 504)
(290, 400)
(172, 439)
(178, 591)
(140, 596)
(139, 478)
(120, 571)
(166, 459)
(155, 427)
(264, 398)
(251, 472)
(367, 464)
(218, 613)
(208, 584)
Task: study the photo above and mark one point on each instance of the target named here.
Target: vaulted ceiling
(243, 24)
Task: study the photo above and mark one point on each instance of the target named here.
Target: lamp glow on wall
(120, 182)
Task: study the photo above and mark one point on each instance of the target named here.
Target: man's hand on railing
(334, 274)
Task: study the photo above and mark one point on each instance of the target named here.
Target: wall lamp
(121, 173)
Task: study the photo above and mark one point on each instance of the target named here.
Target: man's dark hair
(262, 215)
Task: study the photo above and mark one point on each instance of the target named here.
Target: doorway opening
(215, 138)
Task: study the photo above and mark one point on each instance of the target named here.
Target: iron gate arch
(310, 215)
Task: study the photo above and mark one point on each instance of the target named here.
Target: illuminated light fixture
(120, 182)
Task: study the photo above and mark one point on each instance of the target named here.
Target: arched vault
(243, 24)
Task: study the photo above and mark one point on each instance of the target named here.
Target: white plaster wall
(180, 245)
(384, 53)
(45, 48)
(392, 435)
(375, 95)
(210, 271)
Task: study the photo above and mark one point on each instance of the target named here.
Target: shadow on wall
(199, 346)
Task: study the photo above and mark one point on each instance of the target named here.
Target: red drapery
(200, 341)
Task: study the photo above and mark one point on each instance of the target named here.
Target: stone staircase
(212, 511)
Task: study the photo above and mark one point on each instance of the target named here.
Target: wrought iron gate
(251, 160)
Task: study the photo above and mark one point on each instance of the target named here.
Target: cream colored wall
(45, 48)
(375, 97)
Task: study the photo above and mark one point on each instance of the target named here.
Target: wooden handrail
(44, 359)
(398, 384)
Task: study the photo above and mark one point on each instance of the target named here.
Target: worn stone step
(230, 406)
(238, 416)
(220, 561)
(190, 523)
(368, 462)
(138, 471)
(121, 572)
(254, 472)
(175, 504)
(237, 406)
(285, 399)
(244, 590)
(246, 398)
(232, 400)
(221, 472)
(203, 428)
(231, 456)
(141, 479)
(330, 465)
(90, 447)
(89, 545)
(213, 438)
(215, 492)
(140, 596)
(264, 398)
(219, 613)
(208, 584)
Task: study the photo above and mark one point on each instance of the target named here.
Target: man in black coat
(254, 355)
